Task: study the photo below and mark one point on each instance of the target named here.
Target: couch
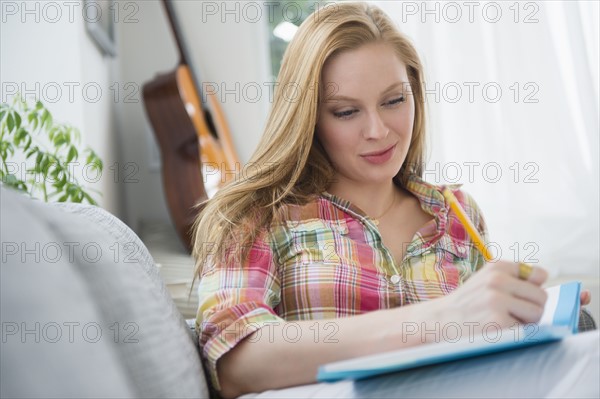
(84, 311)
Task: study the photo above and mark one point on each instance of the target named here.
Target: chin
(381, 177)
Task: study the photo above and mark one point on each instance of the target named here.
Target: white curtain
(514, 116)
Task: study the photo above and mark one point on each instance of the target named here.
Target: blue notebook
(560, 319)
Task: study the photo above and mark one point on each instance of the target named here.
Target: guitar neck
(184, 58)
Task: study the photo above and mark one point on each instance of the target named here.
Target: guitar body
(180, 151)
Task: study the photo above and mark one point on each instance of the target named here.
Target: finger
(538, 275)
(510, 268)
(504, 278)
(585, 297)
(525, 311)
(527, 291)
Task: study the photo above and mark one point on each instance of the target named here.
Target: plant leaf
(17, 120)
(71, 189)
(45, 116)
(10, 122)
(67, 135)
(49, 120)
(89, 198)
(20, 136)
(56, 169)
(77, 135)
(61, 183)
(28, 143)
(8, 147)
(72, 154)
(59, 140)
(94, 160)
(44, 165)
(52, 132)
(38, 162)
(32, 151)
(90, 156)
(10, 179)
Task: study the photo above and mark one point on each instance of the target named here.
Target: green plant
(32, 142)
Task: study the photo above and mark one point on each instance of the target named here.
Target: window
(285, 16)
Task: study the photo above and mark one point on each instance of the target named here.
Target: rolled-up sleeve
(235, 300)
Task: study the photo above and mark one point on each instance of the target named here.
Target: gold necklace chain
(376, 219)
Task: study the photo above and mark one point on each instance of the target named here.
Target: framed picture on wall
(98, 18)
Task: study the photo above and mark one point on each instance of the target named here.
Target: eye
(396, 101)
(344, 114)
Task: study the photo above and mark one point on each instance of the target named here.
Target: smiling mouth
(380, 157)
(376, 153)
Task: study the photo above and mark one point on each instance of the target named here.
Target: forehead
(370, 67)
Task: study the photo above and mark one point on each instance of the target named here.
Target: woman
(333, 244)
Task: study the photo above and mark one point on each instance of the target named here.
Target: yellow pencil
(466, 222)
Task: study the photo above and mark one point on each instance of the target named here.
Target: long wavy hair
(289, 165)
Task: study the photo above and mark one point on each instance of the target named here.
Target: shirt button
(395, 279)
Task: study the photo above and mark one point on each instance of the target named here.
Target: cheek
(405, 122)
(335, 141)
(334, 136)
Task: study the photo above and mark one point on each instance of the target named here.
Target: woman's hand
(495, 294)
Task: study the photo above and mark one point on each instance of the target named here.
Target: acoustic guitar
(193, 136)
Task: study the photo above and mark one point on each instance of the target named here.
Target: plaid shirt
(327, 260)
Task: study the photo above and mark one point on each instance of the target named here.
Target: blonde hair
(289, 165)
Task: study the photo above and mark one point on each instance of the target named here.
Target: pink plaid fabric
(327, 260)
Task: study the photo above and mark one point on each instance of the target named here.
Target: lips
(380, 157)
(376, 153)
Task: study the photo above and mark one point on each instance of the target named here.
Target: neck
(373, 199)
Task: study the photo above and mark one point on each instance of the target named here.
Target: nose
(375, 128)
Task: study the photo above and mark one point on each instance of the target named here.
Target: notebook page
(550, 307)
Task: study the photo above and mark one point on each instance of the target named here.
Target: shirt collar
(429, 195)
(432, 201)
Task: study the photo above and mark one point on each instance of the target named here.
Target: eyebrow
(390, 88)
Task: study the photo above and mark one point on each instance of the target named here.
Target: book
(559, 319)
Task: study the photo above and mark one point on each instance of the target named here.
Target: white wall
(224, 53)
(44, 50)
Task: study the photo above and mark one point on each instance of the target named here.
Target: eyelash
(350, 112)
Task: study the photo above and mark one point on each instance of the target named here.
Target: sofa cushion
(77, 269)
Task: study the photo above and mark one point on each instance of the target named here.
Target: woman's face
(366, 117)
